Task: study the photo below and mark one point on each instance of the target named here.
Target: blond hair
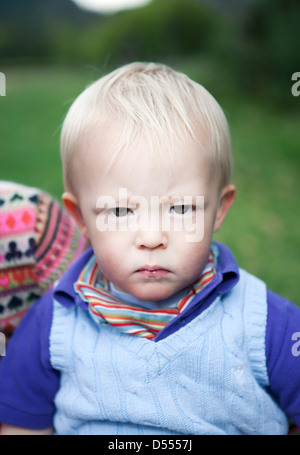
(155, 101)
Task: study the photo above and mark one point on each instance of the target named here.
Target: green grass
(262, 228)
(263, 225)
(31, 114)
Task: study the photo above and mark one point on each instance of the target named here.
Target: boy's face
(150, 227)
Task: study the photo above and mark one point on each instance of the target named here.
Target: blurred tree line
(255, 46)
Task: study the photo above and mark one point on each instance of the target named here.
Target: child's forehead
(110, 140)
(140, 166)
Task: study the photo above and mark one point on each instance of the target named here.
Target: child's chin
(152, 293)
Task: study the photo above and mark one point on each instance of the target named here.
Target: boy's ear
(72, 206)
(226, 200)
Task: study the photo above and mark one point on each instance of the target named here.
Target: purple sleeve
(28, 382)
(283, 354)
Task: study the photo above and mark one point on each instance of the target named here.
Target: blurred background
(244, 52)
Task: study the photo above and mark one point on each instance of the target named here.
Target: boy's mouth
(154, 270)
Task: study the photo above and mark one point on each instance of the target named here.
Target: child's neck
(170, 302)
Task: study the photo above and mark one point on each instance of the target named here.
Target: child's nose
(151, 239)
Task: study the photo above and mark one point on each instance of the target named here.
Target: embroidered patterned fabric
(38, 240)
(104, 308)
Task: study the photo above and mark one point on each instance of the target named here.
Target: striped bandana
(105, 308)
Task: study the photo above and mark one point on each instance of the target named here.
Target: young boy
(155, 329)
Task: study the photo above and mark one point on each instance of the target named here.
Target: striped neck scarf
(105, 308)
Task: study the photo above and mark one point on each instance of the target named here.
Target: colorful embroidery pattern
(38, 240)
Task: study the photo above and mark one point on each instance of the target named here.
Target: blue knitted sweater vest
(209, 377)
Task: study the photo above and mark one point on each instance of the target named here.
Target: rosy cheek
(111, 262)
(106, 257)
(194, 259)
(109, 257)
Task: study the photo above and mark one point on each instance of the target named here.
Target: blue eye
(181, 209)
(121, 211)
